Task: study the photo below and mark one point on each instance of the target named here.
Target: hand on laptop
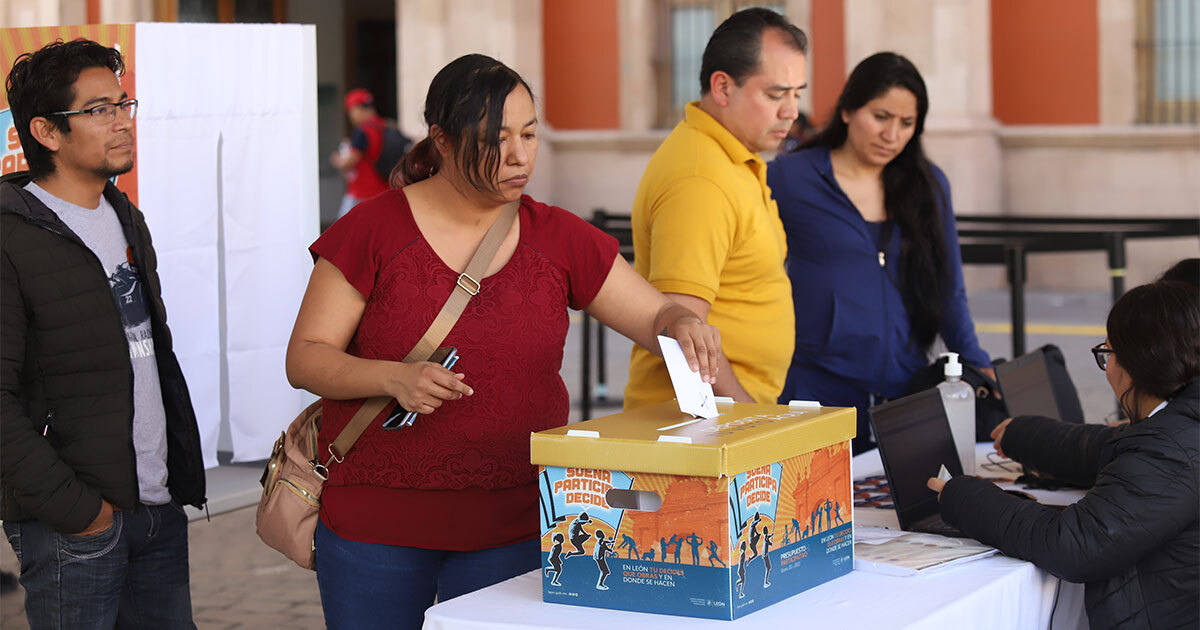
(936, 485)
(998, 435)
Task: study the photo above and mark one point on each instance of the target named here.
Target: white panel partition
(227, 157)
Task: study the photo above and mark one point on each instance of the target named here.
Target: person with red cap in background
(357, 159)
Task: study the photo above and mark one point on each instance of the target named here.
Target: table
(994, 592)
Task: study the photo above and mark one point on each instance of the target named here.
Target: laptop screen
(1027, 387)
(914, 442)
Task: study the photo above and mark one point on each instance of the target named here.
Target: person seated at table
(400, 520)
(1134, 538)
(872, 247)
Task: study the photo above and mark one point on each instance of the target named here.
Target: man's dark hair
(43, 82)
(735, 46)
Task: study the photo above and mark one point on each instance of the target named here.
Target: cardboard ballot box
(654, 511)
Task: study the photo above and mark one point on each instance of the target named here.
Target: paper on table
(693, 394)
(869, 535)
(912, 553)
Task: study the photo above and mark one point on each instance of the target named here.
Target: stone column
(27, 13)
(1118, 76)
(635, 34)
(125, 11)
(800, 13)
(432, 33)
(949, 41)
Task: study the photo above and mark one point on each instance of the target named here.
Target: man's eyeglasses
(104, 112)
(1102, 355)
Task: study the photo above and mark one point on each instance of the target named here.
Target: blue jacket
(851, 321)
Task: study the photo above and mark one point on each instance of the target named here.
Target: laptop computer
(1034, 387)
(914, 443)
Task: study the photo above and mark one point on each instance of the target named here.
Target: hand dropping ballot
(693, 394)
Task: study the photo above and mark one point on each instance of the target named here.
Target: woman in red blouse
(449, 504)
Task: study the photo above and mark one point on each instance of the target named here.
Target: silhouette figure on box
(556, 560)
(578, 535)
(604, 548)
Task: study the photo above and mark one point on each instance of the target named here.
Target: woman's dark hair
(1154, 331)
(734, 48)
(1186, 270)
(43, 82)
(912, 196)
(469, 91)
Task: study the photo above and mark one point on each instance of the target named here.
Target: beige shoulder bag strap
(468, 286)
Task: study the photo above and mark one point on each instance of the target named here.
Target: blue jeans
(367, 585)
(132, 575)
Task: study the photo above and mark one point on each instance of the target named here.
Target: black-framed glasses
(105, 112)
(1102, 355)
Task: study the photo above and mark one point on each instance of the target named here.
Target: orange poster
(16, 41)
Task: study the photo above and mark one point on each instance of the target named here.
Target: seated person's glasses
(1102, 355)
(105, 112)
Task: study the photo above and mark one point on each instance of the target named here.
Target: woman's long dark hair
(912, 197)
(1154, 331)
(467, 92)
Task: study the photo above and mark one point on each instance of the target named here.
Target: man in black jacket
(99, 447)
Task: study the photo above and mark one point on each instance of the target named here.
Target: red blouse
(459, 478)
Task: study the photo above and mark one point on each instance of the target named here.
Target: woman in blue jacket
(872, 247)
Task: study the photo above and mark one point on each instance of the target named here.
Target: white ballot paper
(903, 553)
(943, 474)
(693, 394)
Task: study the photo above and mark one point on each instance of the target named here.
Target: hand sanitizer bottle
(959, 400)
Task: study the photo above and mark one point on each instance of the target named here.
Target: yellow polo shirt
(704, 224)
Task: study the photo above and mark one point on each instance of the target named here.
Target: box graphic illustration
(717, 519)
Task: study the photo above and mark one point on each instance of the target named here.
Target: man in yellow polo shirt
(705, 229)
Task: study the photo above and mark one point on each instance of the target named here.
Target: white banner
(228, 182)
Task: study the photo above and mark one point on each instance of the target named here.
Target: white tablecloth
(994, 592)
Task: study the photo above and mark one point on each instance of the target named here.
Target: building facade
(1073, 107)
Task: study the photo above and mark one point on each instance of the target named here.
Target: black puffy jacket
(1133, 539)
(66, 380)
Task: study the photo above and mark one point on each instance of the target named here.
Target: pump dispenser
(959, 400)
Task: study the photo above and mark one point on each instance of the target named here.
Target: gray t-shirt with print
(101, 232)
